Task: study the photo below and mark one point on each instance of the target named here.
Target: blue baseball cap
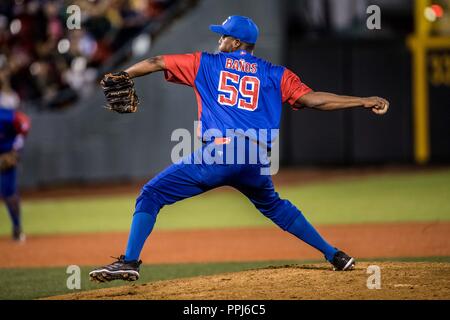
(239, 27)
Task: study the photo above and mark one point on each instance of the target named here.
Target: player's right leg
(177, 182)
(260, 190)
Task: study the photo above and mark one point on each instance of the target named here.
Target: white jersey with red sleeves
(235, 90)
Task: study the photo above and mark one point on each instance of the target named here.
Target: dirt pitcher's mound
(398, 281)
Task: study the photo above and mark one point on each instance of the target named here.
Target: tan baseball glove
(8, 160)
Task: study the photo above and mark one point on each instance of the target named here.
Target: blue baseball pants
(189, 178)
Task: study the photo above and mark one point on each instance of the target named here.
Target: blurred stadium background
(82, 166)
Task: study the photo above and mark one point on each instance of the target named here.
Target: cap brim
(217, 29)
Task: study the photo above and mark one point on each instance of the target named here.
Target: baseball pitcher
(234, 90)
(14, 126)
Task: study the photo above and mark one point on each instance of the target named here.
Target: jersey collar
(241, 53)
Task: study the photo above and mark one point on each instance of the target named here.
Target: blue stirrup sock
(303, 230)
(141, 227)
(13, 206)
(143, 223)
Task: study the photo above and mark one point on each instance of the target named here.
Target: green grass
(385, 198)
(393, 198)
(34, 283)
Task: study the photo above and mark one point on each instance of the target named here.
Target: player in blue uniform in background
(14, 126)
(234, 90)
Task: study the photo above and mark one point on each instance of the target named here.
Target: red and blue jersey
(12, 124)
(235, 90)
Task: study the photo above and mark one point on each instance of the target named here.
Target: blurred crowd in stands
(45, 63)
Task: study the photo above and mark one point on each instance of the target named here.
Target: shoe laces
(118, 259)
(121, 259)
